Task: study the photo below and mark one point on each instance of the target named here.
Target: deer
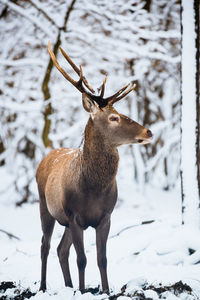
(77, 187)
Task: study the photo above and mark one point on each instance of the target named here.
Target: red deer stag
(78, 187)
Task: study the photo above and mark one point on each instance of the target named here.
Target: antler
(102, 102)
(116, 97)
(77, 84)
(76, 69)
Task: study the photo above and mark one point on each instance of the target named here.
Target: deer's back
(54, 163)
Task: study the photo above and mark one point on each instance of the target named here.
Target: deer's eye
(114, 118)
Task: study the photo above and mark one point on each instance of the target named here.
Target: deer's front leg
(101, 239)
(77, 239)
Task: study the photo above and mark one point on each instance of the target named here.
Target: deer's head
(117, 128)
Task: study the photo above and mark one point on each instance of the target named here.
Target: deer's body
(78, 188)
(80, 184)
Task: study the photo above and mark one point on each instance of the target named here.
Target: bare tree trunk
(190, 116)
(197, 45)
(45, 84)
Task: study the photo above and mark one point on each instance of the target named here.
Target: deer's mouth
(144, 141)
(145, 137)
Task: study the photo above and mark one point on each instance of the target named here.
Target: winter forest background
(137, 42)
(132, 41)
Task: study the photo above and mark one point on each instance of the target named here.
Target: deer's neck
(99, 159)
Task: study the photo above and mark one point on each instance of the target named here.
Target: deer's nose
(149, 133)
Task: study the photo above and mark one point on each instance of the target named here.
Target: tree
(190, 114)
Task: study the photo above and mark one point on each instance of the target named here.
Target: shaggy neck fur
(99, 159)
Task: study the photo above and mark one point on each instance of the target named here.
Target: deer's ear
(89, 105)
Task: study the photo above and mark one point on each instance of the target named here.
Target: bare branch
(37, 5)
(10, 235)
(131, 226)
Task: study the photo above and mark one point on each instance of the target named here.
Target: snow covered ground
(152, 253)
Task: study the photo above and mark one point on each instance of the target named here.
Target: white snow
(22, 62)
(32, 19)
(137, 254)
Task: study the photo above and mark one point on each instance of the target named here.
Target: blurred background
(130, 40)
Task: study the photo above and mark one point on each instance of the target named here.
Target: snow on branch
(32, 19)
(156, 55)
(22, 62)
(153, 35)
(18, 107)
(68, 133)
(162, 152)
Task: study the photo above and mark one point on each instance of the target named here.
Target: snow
(23, 13)
(153, 253)
(22, 62)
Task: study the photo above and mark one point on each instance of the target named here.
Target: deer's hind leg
(63, 254)
(47, 222)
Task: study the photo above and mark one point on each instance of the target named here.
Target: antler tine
(81, 76)
(115, 99)
(59, 67)
(103, 86)
(87, 85)
(76, 69)
(109, 99)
